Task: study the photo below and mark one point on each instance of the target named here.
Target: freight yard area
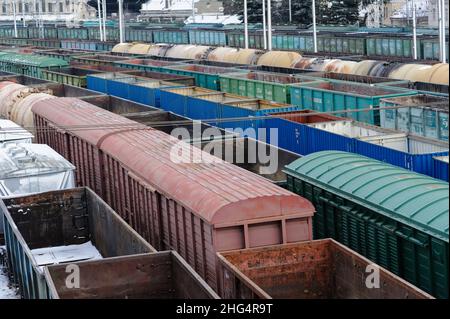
(244, 149)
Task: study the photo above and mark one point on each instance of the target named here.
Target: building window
(50, 7)
(18, 4)
(27, 9)
(4, 8)
(43, 6)
(61, 8)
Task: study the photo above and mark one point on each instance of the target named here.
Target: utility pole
(104, 20)
(100, 28)
(16, 35)
(269, 24)
(41, 21)
(264, 23)
(121, 25)
(314, 25)
(441, 31)
(444, 46)
(290, 11)
(35, 13)
(23, 14)
(414, 30)
(246, 24)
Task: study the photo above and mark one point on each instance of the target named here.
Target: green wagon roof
(414, 199)
(33, 60)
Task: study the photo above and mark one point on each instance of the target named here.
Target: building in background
(51, 10)
(403, 16)
(179, 10)
(433, 16)
(399, 13)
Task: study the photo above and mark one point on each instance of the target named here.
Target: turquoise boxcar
(423, 115)
(30, 65)
(171, 36)
(331, 95)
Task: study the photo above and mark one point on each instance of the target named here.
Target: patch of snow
(219, 19)
(64, 254)
(153, 5)
(159, 5)
(182, 5)
(6, 291)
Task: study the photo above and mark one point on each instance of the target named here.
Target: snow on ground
(6, 292)
(65, 254)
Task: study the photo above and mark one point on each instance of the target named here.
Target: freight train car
(30, 65)
(197, 208)
(423, 115)
(61, 227)
(320, 269)
(396, 43)
(144, 88)
(303, 136)
(332, 95)
(396, 218)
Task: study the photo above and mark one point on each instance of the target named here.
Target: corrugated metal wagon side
(80, 146)
(190, 216)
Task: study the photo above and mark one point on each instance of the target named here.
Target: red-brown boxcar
(197, 208)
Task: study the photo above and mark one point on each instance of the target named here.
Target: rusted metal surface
(98, 68)
(358, 78)
(195, 208)
(279, 58)
(194, 52)
(79, 147)
(363, 90)
(153, 117)
(10, 95)
(98, 59)
(180, 79)
(307, 117)
(61, 218)
(163, 275)
(64, 90)
(240, 56)
(320, 269)
(23, 79)
(168, 122)
(21, 111)
(243, 153)
(118, 105)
